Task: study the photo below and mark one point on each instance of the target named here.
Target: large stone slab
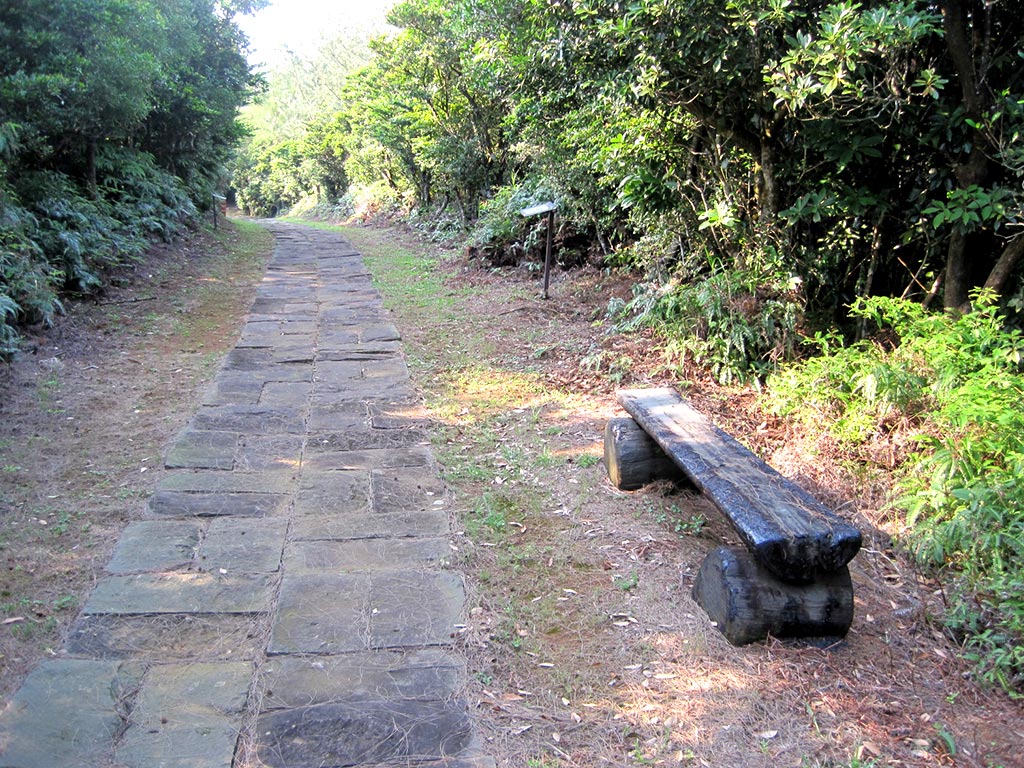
(332, 492)
(243, 545)
(262, 363)
(368, 389)
(410, 608)
(365, 555)
(343, 417)
(258, 419)
(167, 637)
(261, 453)
(260, 329)
(187, 716)
(329, 372)
(358, 352)
(370, 525)
(397, 490)
(300, 681)
(364, 437)
(155, 545)
(188, 504)
(386, 368)
(293, 394)
(363, 732)
(67, 713)
(232, 387)
(381, 332)
(180, 593)
(321, 613)
(196, 449)
(323, 461)
(227, 482)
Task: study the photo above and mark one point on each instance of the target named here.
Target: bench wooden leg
(748, 602)
(633, 459)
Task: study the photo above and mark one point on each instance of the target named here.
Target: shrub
(956, 382)
(738, 323)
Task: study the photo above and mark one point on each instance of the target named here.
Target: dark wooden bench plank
(788, 530)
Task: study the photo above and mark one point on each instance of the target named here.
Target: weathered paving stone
(387, 368)
(414, 608)
(323, 461)
(366, 438)
(286, 393)
(359, 353)
(363, 732)
(338, 418)
(227, 482)
(186, 716)
(262, 363)
(302, 681)
(381, 332)
(167, 637)
(181, 593)
(328, 372)
(395, 490)
(193, 504)
(269, 336)
(234, 388)
(155, 545)
(363, 389)
(67, 713)
(364, 554)
(259, 453)
(195, 449)
(259, 419)
(398, 414)
(332, 492)
(256, 329)
(321, 613)
(243, 546)
(338, 337)
(370, 525)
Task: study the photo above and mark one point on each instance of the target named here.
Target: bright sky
(302, 25)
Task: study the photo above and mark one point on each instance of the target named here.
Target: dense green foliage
(956, 384)
(851, 149)
(116, 120)
(763, 166)
(298, 145)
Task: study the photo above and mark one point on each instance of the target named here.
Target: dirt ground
(85, 415)
(584, 645)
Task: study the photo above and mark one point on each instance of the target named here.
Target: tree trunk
(90, 169)
(970, 63)
(769, 193)
(1008, 261)
(956, 283)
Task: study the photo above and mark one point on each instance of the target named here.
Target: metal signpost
(536, 210)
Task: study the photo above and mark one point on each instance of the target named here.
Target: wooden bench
(792, 579)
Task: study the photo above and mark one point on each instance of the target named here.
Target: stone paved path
(286, 602)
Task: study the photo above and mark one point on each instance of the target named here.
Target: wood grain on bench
(788, 530)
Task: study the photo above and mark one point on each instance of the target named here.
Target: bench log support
(633, 459)
(748, 602)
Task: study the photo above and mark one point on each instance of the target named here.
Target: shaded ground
(585, 644)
